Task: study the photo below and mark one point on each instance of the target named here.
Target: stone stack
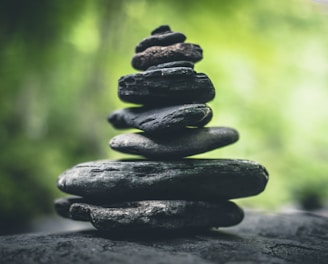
(165, 191)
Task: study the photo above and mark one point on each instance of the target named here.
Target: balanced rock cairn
(165, 191)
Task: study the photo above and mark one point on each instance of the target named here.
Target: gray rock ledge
(273, 238)
(187, 179)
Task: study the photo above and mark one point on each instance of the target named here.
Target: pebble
(161, 120)
(167, 86)
(188, 142)
(157, 55)
(154, 215)
(186, 179)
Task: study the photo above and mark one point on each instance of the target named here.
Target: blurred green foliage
(60, 62)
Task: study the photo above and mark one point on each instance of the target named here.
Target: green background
(60, 62)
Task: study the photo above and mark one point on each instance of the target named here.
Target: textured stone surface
(177, 85)
(157, 55)
(172, 64)
(161, 120)
(186, 142)
(164, 39)
(296, 238)
(187, 179)
(150, 215)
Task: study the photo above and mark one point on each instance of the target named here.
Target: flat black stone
(163, 119)
(172, 64)
(166, 86)
(186, 142)
(187, 179)
(280, 238)
(152, 215)
(158, 55)
(164, 39)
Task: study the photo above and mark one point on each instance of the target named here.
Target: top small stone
(161, 29)
(161, 36)
(164, 46)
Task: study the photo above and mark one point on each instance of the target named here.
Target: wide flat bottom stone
(260, 238)
(151, 215)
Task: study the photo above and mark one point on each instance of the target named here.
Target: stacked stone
(165, 191)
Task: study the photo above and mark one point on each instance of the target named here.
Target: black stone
(158, 55)
(187, 179)
(161, 29)
(172, 64)
(156, 214)
(280, 238)
(161, 120)
(164, 39)
(186, 142)
(166, 86)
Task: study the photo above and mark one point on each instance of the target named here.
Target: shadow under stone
(143, 235)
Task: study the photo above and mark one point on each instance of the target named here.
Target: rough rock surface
(206, 179)
(261, 238)
(161, 120)
(157, 55)
(186, 142)
(152, 215)
(168, 86)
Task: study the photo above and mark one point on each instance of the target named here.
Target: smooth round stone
(164, 39)
(145, 215)
(186, 142)
(167, 86)
(158, 55)
(186, 179)
(161, 120)
(172, 64)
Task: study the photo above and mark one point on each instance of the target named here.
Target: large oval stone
(167, 86)
(186, 179)
(185, 142)
(151, 215)
(161, 120)
(157, 55)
